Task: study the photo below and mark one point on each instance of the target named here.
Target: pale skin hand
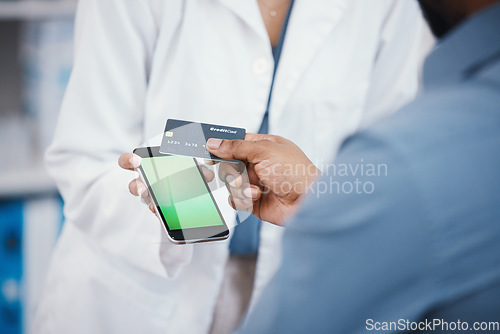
(278, 170)
(132, 162)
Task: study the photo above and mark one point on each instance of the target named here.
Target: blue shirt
(421, 238)
(245, 239)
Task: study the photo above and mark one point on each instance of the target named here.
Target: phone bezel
(198, 234)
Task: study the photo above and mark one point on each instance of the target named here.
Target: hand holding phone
(132, 162)
(183, 202)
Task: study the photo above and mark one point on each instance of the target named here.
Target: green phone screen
(180, 192)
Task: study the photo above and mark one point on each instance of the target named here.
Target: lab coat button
(260, 66)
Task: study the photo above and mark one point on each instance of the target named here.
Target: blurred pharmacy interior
(35, 63)
(36, 44)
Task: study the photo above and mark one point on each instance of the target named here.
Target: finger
(231, 203)
(251, 151)
(234, 180)
(243, 204)
(236, 186)
(208, 174)
(247, 193)
(145, 198)
(129, 161)
(259, 136)
(235, 192)
(228, 167)
(137, 188)
(252, 176)
(145, 195)
(211, 162)
(132, 187)
(240, 205)
(152, 208)
(229, 175)
(253, 192)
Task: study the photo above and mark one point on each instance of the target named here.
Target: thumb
(244, 150)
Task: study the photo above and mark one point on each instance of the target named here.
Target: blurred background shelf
(36, 10)
(33, 181)
(36, 56)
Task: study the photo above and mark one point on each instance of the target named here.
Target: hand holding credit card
(189, 138)
(187, 187)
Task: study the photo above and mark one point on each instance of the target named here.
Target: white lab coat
(344, 64)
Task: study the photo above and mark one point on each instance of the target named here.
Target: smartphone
(184, 203)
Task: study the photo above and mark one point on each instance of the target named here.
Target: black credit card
(189, 138)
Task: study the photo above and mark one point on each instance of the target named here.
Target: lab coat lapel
(248, 11)
(310, 24)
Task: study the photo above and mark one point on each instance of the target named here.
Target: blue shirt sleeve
(402, 226)
(354, 251)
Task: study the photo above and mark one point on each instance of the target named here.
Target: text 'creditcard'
(189, 138)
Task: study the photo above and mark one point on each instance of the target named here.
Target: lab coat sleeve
(101, 118)
(404, 43)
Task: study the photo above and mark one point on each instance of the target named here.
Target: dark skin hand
(278, 171)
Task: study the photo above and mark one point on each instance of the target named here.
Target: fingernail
(135, 161)
(141, 190)
(214, 143)
(250, 192)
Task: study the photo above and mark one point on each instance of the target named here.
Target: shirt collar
(466, 48)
